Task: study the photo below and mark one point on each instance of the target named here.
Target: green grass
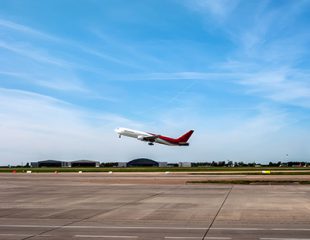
(253, 173)
(214, 170)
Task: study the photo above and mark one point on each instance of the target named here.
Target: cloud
(211, 75)
(50, 79)
(40, 56)
(129, 53)
(35, 127)
(259, 63)
(283, 85)
(264, 137)
(270, 43)
(25, 48)
(31, 58)
(219, 9)
(187, 76)
(26, 30)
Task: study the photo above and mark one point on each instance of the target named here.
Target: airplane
(154, 138)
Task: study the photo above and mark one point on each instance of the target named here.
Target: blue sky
(235, 71)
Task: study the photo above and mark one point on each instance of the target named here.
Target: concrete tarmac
(85, 206)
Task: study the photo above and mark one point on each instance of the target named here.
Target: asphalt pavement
(80, 206)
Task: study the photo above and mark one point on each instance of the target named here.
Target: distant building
(122, 164)
(172, 165)
(142, 162)
(162, 164)
(50, 163)
(57, 163)
(84, 163)
(185, 164)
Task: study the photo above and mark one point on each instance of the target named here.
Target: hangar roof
(142, 162)
(50, 161)
(84, 161)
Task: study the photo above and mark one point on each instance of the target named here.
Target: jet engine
(141, 138)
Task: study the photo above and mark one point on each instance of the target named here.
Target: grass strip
(201, 170)
(252, 173)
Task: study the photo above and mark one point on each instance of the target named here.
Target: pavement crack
(218, 212)
(97, 214)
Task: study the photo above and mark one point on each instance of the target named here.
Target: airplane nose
(117, 130)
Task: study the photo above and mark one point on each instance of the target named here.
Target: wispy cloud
(268, 49)
(61, 130)
(38, 64)
(35, 54)
(131, 54)
(219, 9)
(26, 30)
(235, 71)
(284, 85)
(55, 80)
(39, 55)
(56, 128)
(217, 76)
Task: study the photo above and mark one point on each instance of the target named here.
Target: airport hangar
(145, 162)
(57, 163)
(140, 162)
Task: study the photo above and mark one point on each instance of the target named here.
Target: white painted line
(97, 227)
(164, 228)
(217, 238)
(285, 238)
(262, 229)
(288, 192)
(213, 238)
(103, 236)
(241, 229)
(289, 229)
(182, 237)
(15, 234)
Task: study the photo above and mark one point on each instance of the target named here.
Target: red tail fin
(186, 136)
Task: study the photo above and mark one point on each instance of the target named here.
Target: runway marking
(285, 238)
(213, 238)
(99, 227)
(182, 237)
(165, 228)
(103, 236)
(15, 234)
(262, 229)
(289, 192)
(218, 238)
(287, 229)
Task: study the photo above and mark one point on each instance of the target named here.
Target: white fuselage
(140, 135)
(131, 133)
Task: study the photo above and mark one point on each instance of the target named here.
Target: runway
(85, 206)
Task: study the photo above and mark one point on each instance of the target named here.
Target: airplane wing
(150, 138)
